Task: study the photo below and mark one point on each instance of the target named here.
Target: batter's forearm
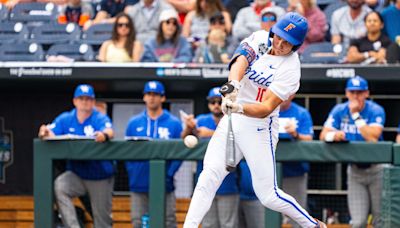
(257, 110)
(265, 108)
(238, 68)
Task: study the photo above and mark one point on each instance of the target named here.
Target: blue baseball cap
(154, 87)
(214, 92)
(84, 90)
(357, 83)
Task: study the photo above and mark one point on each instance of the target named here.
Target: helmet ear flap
(270, 39)
(294, 48)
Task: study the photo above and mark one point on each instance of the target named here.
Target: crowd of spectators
(361, 39)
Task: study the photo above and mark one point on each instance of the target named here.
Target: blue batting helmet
(292, 27)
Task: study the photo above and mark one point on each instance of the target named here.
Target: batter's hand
(235, 107)
(230, 90)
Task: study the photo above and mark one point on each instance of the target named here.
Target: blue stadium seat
(322, 53)
(21, 52)
(34, 12)
(56, 33)
(78, 52)
(3, 13)
(11, 32)
(97, 34)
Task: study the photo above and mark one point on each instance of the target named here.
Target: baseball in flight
(190, 141)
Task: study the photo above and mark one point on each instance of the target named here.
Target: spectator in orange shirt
(75, 12)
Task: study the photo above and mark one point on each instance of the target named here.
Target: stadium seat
(322, 53)
(34, 12)
(97, 34)
(21, 52)
(3, 13)
(77, 52)
(53, 33)
(12, 32)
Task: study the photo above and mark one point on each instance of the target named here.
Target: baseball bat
(230, 160)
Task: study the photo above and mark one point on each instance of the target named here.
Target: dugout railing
(45, 152)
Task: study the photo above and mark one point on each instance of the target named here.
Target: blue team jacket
(165, 127)
(67, 123)
(304, 124)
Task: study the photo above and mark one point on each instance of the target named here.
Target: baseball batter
(264, 71)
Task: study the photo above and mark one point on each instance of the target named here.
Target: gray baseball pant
(223, 212)
(140, 206)
(69, 185)
(364, 194)
(251, 214)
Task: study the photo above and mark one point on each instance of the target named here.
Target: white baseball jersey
(280, 74)
(255, 138)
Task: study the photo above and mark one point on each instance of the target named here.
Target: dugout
(34, 93)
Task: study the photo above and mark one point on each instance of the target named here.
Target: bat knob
(230, 168)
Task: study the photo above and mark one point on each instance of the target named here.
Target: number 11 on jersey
(260, 94)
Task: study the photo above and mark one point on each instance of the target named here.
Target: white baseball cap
(168, 14)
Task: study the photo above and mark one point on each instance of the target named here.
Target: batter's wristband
(229, 87)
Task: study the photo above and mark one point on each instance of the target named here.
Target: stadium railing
(45, 152)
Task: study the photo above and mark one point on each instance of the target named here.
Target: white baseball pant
(256, 140)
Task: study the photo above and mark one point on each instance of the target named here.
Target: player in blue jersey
(359, 119)
(93, 177)
(295, 123)
(154, 122)
(224, 208)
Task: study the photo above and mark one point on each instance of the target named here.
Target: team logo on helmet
(289, 27)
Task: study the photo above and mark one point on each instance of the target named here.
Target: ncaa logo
(289, 27)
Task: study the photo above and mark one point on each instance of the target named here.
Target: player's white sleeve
(250, 47)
